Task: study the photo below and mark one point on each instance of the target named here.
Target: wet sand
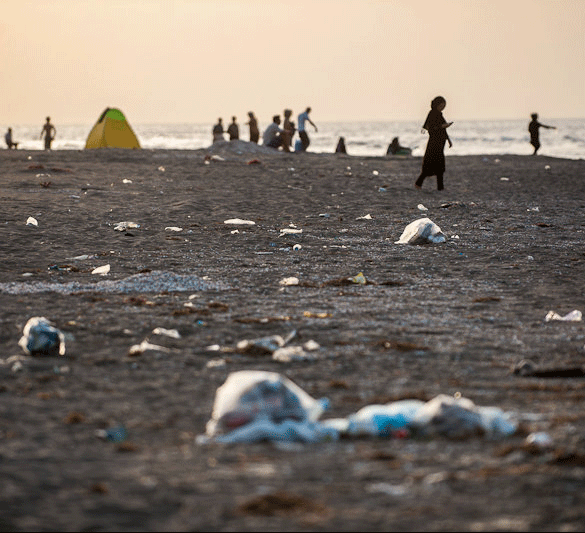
(443, 318)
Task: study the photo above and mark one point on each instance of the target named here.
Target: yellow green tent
(112, 131)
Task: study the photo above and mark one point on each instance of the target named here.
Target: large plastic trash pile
(254, 406)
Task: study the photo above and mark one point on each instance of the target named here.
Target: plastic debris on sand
(573, 316)
(240, 222)
(40, 337)
(254, 406)
(421, 231)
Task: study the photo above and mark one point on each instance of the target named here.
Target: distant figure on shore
(49, 132)
(394, 148)
(340, 148)
(254, 131)
(218, 131)
(288, 130)
(304, 117)
(272, 136)
(9, 142)
(233, 130)
(434, 159)
(533, 129)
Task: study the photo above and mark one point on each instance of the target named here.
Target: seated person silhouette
(394, 148)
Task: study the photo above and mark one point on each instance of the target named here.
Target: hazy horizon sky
(191, 61)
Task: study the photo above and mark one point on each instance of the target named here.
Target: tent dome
(112, 130)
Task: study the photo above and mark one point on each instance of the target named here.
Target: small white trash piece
(30, 221)
(240, 222)
(289, 281)
(573, 316)
(103, 270)
(421, 231)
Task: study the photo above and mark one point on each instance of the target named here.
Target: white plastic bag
(421, 231)
(256, 405)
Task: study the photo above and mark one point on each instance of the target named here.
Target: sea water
(361, 138)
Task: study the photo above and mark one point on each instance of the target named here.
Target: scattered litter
(40, 337)
(216, 157)
(240, 222)
(289, 354)
(289, 281)
(527, 368)
(421, 207)
(458, 417)
(103, 270)
(145, 346)
(255, 405)
(540, 440)
(375, 173)
(421, 231)
(30, 221)
(215, 363)
(290, 231)
(365, 217)
(297, 247)
(234, 231)
(161, 168)
(573, 316)
(264, 345)
(311, 346)
(173, 228)
(125, 180)
(387, 488)
(173, 333)
(359, 279)
(254, 162)
(123, 226)
(115, 434)
(382, 420)
(535, 209)
(504, 179)
(324, 215)
(546, 167)
(311, 314)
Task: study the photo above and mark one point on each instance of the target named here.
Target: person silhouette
(218, 131)
(253, 125)
(49, 132)
(395, 148)
(340, 148)
(533, 129)
(9, 142)
(434, 159)
(233, 130)
(302, 118)
(272, 136)
(288, 130)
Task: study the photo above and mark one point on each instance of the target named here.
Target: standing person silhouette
(254, 131)
(218, 131)
(434, 159)
(49, 132)
(9, 142)
(233, 130)
(302, 118)
(288, 132)
(533, 129)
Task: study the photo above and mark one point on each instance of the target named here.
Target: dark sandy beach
(442, 318)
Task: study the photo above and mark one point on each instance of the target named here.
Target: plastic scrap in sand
(240, 222)
(31, 221)
(40, 337)
(573, 316)
(421, 231)
(254, 406)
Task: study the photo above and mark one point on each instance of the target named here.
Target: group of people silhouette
(49, 132)
(274, 135)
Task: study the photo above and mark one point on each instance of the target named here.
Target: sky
(192, 61)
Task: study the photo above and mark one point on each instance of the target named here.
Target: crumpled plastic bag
(255, 405)
(460, 418)
(40, 337)
(421, 231)
(573, 316)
